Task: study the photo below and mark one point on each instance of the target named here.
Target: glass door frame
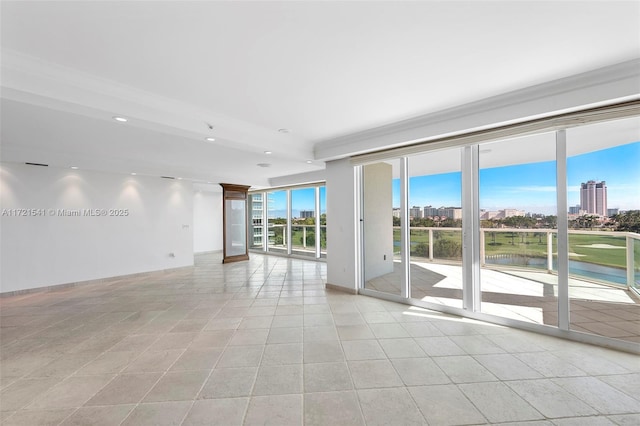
(472, 296)
(287, 231)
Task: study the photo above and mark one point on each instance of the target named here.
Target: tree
(484, 223)
(451, 223)
(444, 248)
(539, 235)
(585, 221)
(278, 236)
(421, 249)
(311, 239)
(550, 221)
(628, 221)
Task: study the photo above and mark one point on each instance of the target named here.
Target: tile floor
(263, 342)
(524, 295)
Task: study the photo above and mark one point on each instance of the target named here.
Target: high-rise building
(306, 213)
(256, 206)
(430, 211)
(593, 197)
(448, 212)
(415, 212)
(512, 212)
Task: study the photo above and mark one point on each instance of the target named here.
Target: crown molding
(599, 87)
(33, 81)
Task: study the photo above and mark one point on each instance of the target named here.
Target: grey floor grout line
(253, 296)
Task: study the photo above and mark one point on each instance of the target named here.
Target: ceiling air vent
(167, 177)
(37, 164)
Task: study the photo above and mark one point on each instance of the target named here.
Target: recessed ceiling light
(133, 174)
(309, 161)
(210, 139)
(121, 119)
(268, 152)
(263, 165)
(179, 178)
(284, 130)
(74, 167)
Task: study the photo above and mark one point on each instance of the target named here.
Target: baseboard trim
(207, 252)
(341, 288)
(106, 280)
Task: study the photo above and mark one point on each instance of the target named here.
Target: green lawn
(297, 235)
(601, 256)
(534, 244)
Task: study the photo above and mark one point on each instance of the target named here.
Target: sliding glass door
(541, 229)
(435, 227)
(277, 221)
(303, 221)
(289, 221)
(518, 228)
(383, 266)
(603, 170)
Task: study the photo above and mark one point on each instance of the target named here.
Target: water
(576, 267)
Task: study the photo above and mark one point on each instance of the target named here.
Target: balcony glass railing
(611, 258)
(636, 263)
(303, 238)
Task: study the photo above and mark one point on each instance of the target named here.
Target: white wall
(53, 249)
(341, 224)
(378, 220)
(207, 221)
(299, 179)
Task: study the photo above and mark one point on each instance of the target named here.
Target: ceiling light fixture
(268, 152)
(210, 139)
(309, 161)
(133, 174)
(121, 119)
(74, 167)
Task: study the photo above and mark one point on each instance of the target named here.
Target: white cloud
(533, 188)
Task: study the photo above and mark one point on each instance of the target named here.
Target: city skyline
(301, 199)
(529, 187)
(532, 187)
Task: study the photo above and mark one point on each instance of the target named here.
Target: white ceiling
(321, 69)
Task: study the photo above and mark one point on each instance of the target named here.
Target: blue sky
(531, 187)
(301, 199)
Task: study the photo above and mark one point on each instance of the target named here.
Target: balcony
(518, 276)
(303, 239)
